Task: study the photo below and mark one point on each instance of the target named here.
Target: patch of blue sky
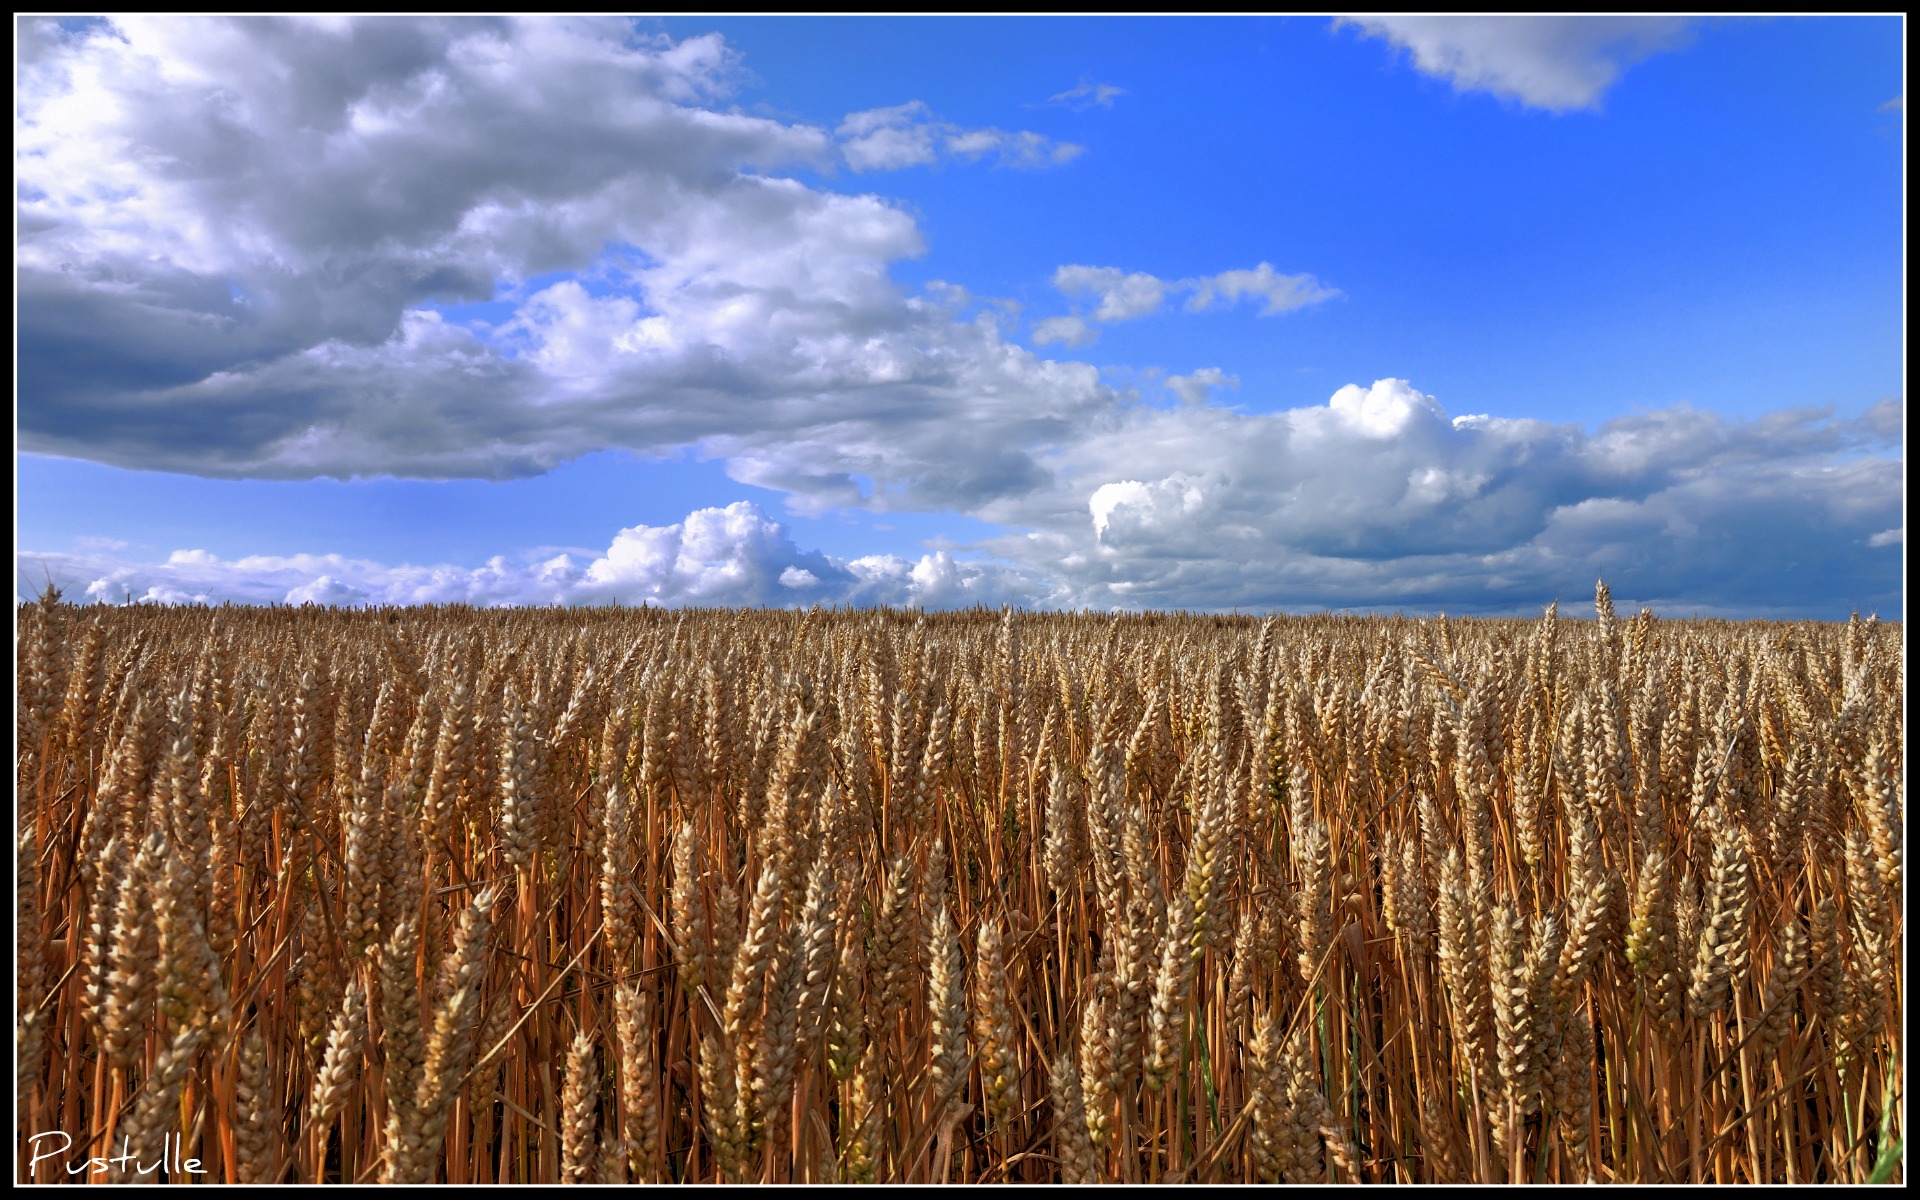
(1715, 232)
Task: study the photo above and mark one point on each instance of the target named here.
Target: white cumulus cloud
(1280, 293)
(1384, 410)
(1122, 296)
(1553, 63)
(1128, 508)
(1380, 498)
(735, 555)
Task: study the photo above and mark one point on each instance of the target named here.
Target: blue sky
(1420, 313)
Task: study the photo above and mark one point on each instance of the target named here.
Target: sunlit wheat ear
(1573, 1091)
(449, 1045)
(1881, 806)
(1166, 1015)
(947, 995)
(341, 1065)
(1071, 1144)
(1313, 916)
(758, 961)
(1271, 1133)
(1651, 938)
(1515, 1022)
(776, 1050)
(401, 1041)
(1722, 948)
(721, 1103)
(1779, 998)
(893, 957)
(1065, 848)
(1595, 897)
(577, 1111)
(995, 1034)
(131, 978)
(1463, 965)
(1312, 1116)
(813, 954)
(692, 925)
(618, 902)
(142, 1133)
(518, 786)
(639, 1082)
(1404, 902)
(1100, 1071)
(859, 1156)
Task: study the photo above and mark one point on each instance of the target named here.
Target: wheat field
(473, 896)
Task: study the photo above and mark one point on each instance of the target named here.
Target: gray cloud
(1379, 498)
(1069, 331)
(204, 200)
(232, 228)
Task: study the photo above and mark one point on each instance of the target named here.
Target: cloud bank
(1377, 499)
(1381, 499)
(732, 556)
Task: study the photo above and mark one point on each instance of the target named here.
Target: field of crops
(602, 895)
